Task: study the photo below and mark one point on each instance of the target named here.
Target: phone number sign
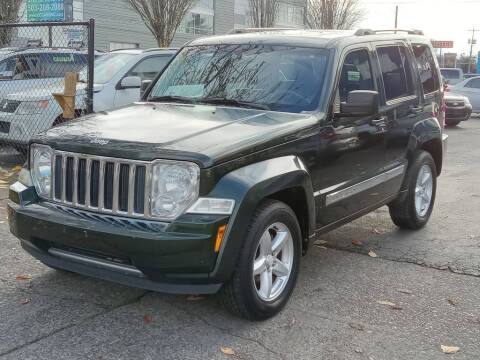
(45, 10)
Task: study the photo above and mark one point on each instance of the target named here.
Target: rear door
(402, 103)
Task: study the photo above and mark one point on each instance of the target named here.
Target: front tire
(268, 264)
(413, 209)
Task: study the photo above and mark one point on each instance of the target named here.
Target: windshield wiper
(233, 102)
(171, 98)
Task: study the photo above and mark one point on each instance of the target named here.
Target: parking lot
(428, 283)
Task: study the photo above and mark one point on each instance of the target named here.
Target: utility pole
(472, 42)
(396, 17)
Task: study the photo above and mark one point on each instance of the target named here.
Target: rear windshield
(280, 78)
(450, 73)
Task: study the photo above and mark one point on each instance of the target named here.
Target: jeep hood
(207, 135)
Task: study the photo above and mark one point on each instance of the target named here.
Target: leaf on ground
(227, 351)
(356, 326)
(292, 322)
(375, 231)
(26, 301)
(196, 297)
(452, 301)
(388, 303)
(449, 349)
(356, 242)
(147, 319)
(23, 277)
(372, 254)
(358, 351)
(396, 307)
(16, 168)
(405, 291)
(320, 242)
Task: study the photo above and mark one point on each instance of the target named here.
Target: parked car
(243, 149)
(469, 88)
(458, 109)
(30, 68)
(452, 76)
(118, 76)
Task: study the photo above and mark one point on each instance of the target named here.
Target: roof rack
(364, 32)
(253, 30)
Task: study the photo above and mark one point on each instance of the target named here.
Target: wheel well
(297, 200)
(434, 147)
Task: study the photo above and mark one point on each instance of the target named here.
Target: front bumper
(172, 258)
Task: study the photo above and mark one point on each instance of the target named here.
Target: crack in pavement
(226, 330)
(69, 326)
(449, 268)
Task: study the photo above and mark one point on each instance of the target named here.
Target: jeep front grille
(102, 184)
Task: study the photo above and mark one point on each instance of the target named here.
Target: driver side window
(356, 74)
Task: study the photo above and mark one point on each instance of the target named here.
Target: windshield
(107, 66)
(450, 74)
(279, 78)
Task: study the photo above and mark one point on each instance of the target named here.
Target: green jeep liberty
(242, 150)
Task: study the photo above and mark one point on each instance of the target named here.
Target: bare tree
(263, 13)
(9, 13)
(333, 14)
(162, 17)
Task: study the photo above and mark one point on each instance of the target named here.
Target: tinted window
(474, 83)
(282, 78)
(356, 74)
(57, 64)
(396, 72)
(427, 68)
(450, 74)
(149, 68)
(6, 68)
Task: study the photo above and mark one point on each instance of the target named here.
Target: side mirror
(131, 82)
(360, 103)
(145, 85)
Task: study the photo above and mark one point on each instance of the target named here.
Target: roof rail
(253, 30)
(364, 32)
(159, 49)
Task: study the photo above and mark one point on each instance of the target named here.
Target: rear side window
(396, 72)
(356, 74)
(427, 68)
(474, 83)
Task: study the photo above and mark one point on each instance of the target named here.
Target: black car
(243, 149)
(458, 109)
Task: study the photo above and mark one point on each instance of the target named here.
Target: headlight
(41, 169)
(174, 188)
(31, 107)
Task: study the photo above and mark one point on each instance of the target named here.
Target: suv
(244, 148)
(120, 76)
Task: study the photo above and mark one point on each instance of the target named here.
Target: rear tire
(412, 210)
(261, 293)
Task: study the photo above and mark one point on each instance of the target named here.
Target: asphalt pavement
(422, 291)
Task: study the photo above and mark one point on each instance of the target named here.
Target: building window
(119, 45)
(199, 20)
(289, 15)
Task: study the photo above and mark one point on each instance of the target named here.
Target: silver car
(469, 88)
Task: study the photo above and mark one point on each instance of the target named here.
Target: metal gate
(34, 58)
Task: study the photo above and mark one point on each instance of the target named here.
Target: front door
(347, 177)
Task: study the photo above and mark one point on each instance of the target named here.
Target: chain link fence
(34, 59)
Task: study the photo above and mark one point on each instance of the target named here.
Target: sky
(439, 19)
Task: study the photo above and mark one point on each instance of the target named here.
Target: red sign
(442, 44)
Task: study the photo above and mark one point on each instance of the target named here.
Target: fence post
(91, 63)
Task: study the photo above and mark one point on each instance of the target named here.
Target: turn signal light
(220, 233)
